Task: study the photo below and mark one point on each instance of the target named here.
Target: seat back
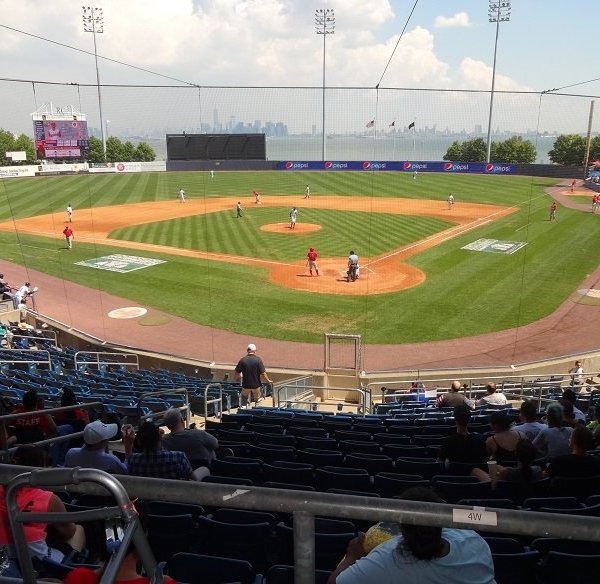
(186, 567)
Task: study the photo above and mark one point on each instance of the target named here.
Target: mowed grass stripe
(368, 234)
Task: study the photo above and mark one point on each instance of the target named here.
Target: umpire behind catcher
(250, 369)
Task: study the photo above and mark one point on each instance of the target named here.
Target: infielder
(311, 261)
(181, 196)
(307, 192)
(70, 213)
(450, 200)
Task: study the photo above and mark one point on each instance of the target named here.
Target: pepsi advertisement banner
(404, 166)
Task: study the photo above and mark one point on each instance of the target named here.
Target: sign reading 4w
(120, 263)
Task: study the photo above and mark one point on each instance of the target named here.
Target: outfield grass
(465, 293)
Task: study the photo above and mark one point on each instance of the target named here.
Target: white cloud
(459, 20)
(478, 75)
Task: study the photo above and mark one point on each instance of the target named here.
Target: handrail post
(304, 548)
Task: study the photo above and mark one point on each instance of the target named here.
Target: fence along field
(464, 292)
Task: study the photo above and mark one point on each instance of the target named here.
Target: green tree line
(116, 150)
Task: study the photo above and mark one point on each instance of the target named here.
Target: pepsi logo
(447, 166)
(489, 168)
(328, 164)
(407, 165)
(289, 165)
(120, 167)
(366, 165)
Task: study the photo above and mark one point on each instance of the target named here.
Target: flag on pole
(371, 124)
(411, 125)
(392, 124)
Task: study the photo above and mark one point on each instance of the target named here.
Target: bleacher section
(374, 456)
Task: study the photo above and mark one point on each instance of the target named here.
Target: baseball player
(450, 200)
(238, 210)
(311, 260)
(293, 217)
(68, 233)
(181, 196)
(307, 192)
(69, 213)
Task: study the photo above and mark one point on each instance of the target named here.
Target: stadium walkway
(572, 329)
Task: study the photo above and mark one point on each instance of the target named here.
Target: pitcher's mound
(285, 228)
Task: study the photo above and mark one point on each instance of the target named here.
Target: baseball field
(248, 274)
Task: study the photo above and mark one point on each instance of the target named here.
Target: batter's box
(120, 263)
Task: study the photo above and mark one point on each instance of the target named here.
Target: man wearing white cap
(251, 369)
(94, 454)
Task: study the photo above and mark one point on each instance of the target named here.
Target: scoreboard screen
(61, 138)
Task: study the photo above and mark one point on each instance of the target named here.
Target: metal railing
(15, 357)
(305, 506)
(102, 361)
(363, 404)
(185, 409)
(124, 511)
(295, 390)
(515, 387)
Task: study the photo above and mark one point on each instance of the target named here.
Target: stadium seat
(184, 567)
(372, 463)
(249, 542)
(558, 568)
(289, 472)
(515, 568)
(285, 575)
(169, 534)
(333, 477)
(390, 485)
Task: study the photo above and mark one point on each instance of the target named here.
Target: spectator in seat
(420, 554)
(198, 445)
(462, 446)
(554, 440)
(492, 398)
(76, 418)
(529, 426)
(94, 453)
(525, 471)
(570, 396)
(32, 428)
(502, 445)
(62, 538)
(40, 427)
(578, 464)
(151, 460)
(453, 398)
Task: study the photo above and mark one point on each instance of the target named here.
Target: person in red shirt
(68, 233)
(311, 260)
(553, 211)
(573, 183)
(33, 428)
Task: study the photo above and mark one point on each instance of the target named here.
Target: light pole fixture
(499, 11)
(93, 21)
(324, 25)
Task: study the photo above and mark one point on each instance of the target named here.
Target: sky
(446, 45)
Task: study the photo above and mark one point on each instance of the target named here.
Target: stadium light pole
(324, 25)
(499, 11)
(93, 21)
